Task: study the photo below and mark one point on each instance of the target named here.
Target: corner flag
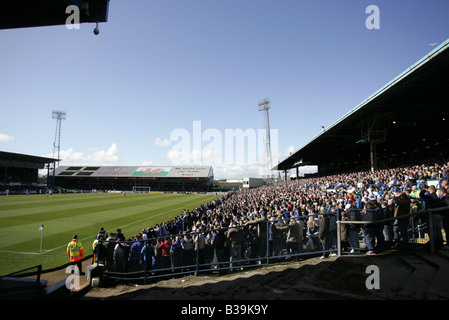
(42, 235)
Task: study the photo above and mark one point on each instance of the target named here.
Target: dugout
(125, 178)
(403, 123)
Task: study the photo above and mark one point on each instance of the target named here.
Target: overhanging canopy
(408, 116)
(17, 160)
(37, 13)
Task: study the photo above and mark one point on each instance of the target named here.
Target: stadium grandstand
(404, 122)
(19, 172)
(129, 178)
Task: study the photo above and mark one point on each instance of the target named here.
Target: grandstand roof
(408, 115)
(135, 172)
(17, 160)
(36, 13)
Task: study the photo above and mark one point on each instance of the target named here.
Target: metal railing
(171, 267)
(146, 271)
(13, 287)
(429, 226)
(38, 273)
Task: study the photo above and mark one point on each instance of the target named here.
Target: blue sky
(158, 66)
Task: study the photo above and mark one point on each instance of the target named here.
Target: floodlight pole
(264, 106)
(58, 115)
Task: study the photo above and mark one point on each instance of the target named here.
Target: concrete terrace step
(404, 274)
(394, 274)
(419, 281)
(444, 254)
(346, 277)
(439, 286)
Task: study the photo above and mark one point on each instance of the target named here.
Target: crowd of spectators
(290, 218)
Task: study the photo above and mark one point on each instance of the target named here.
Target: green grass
(67, 214)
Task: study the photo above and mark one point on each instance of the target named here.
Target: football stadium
(159, 204)
(379, 203)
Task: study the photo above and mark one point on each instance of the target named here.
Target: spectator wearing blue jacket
(176, 254)
(147, 255)
(134, 254)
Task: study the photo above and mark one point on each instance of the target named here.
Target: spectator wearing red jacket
(165, 250)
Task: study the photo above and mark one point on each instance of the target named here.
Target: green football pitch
(24, 245)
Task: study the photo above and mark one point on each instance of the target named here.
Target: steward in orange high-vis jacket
(75, 251)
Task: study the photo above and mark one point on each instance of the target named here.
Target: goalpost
(141, 189)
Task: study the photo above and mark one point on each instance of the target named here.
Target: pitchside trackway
(82, 214)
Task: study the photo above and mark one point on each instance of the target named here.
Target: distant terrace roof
(135, 171)
(17, 160)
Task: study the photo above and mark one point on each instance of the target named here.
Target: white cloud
(148, 163)
(222, 169)
(110, 156)
(234, 171)
(290, 151)
(5, 137)
(162, 142)
(195, 157)
(213, 158)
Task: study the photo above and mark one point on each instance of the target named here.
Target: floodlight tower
(58, 115)
(264, 106)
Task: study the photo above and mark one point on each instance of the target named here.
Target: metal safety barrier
(429, 227)
(172, 266)
(266, 254)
